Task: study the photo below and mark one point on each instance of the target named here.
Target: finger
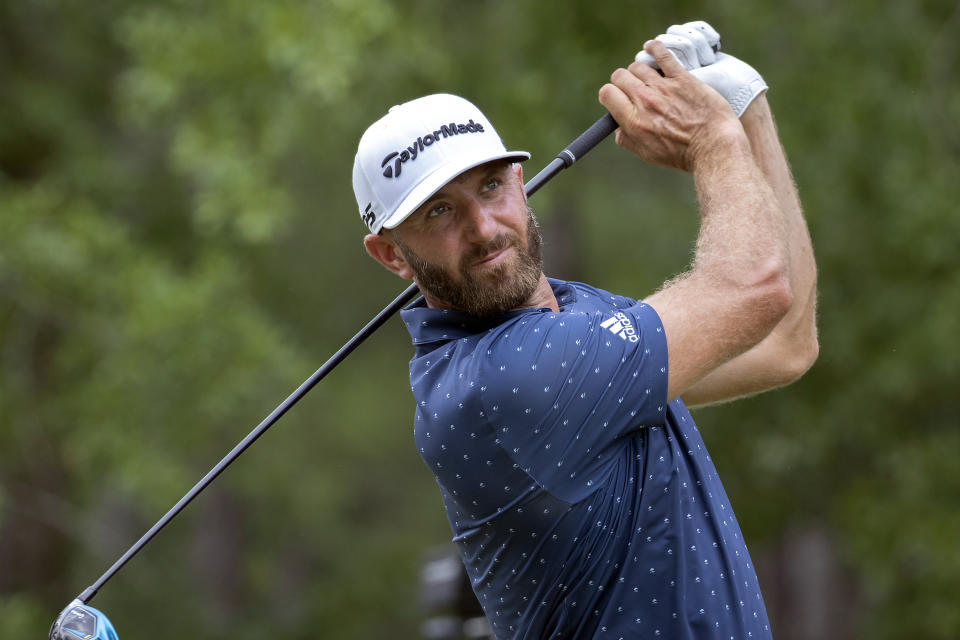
(713, 38)
(645, 58)
(626, 95)
(631, 83)
(705, 54)
(666, 60)
(645, 72)
(682, 49)
(616, 101)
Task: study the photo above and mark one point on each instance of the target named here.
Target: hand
(695, 45)
(673, 119)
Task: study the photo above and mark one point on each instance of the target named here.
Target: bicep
(779, 359)
(708, 325)
(761, 368)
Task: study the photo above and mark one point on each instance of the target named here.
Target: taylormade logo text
(392, 170)
(620, 325)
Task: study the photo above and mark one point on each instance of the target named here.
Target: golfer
(554, 414)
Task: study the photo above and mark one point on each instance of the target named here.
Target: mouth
(492, 259)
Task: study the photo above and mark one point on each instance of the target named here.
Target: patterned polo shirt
(584, 505)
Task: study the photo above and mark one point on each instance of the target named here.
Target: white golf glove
(696, 46)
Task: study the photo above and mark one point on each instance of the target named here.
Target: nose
(480, 223)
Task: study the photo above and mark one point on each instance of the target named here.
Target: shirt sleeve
(565, 392)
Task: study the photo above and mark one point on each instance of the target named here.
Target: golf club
(82, 621)
(78, 620)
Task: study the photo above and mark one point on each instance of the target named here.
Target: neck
(542, 296)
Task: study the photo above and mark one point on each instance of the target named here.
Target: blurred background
(180, 248)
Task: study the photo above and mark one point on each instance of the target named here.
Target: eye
(437, 210)
(490, 185)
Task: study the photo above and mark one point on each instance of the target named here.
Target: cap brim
(435, 181)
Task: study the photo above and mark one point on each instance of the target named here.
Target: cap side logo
(410, 153)
(369, 215)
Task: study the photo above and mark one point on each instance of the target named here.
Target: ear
(382, 249)
(518, 170)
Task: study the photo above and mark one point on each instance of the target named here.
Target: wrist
(758, 114)
(734, 79)
(718, 147)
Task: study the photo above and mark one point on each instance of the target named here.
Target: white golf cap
(409, 154)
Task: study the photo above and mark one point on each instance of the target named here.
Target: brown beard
(505, 287)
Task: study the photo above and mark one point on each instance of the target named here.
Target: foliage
(179, 248)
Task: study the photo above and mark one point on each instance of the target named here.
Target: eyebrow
(493, 170)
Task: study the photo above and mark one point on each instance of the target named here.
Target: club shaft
(252, 437)
(573, 152)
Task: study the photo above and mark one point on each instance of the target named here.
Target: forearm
(791, 347)
(736, 290)
(765, 145)
(743, 237)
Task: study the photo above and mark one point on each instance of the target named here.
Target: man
(552, 413)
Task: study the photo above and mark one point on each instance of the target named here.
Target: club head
(81, 622)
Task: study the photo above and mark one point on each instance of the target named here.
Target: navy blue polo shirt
(584, 505)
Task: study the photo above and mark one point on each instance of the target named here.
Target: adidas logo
(620, 325)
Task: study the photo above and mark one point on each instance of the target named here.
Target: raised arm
(791, 347)
(738, 287)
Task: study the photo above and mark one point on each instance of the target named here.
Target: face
(475, 245)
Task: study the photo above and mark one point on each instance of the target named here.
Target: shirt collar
(428, 325)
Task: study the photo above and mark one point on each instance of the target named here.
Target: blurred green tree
(179, 249)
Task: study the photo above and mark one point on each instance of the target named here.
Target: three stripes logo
(621, 326)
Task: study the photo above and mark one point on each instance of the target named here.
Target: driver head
(79, 621)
